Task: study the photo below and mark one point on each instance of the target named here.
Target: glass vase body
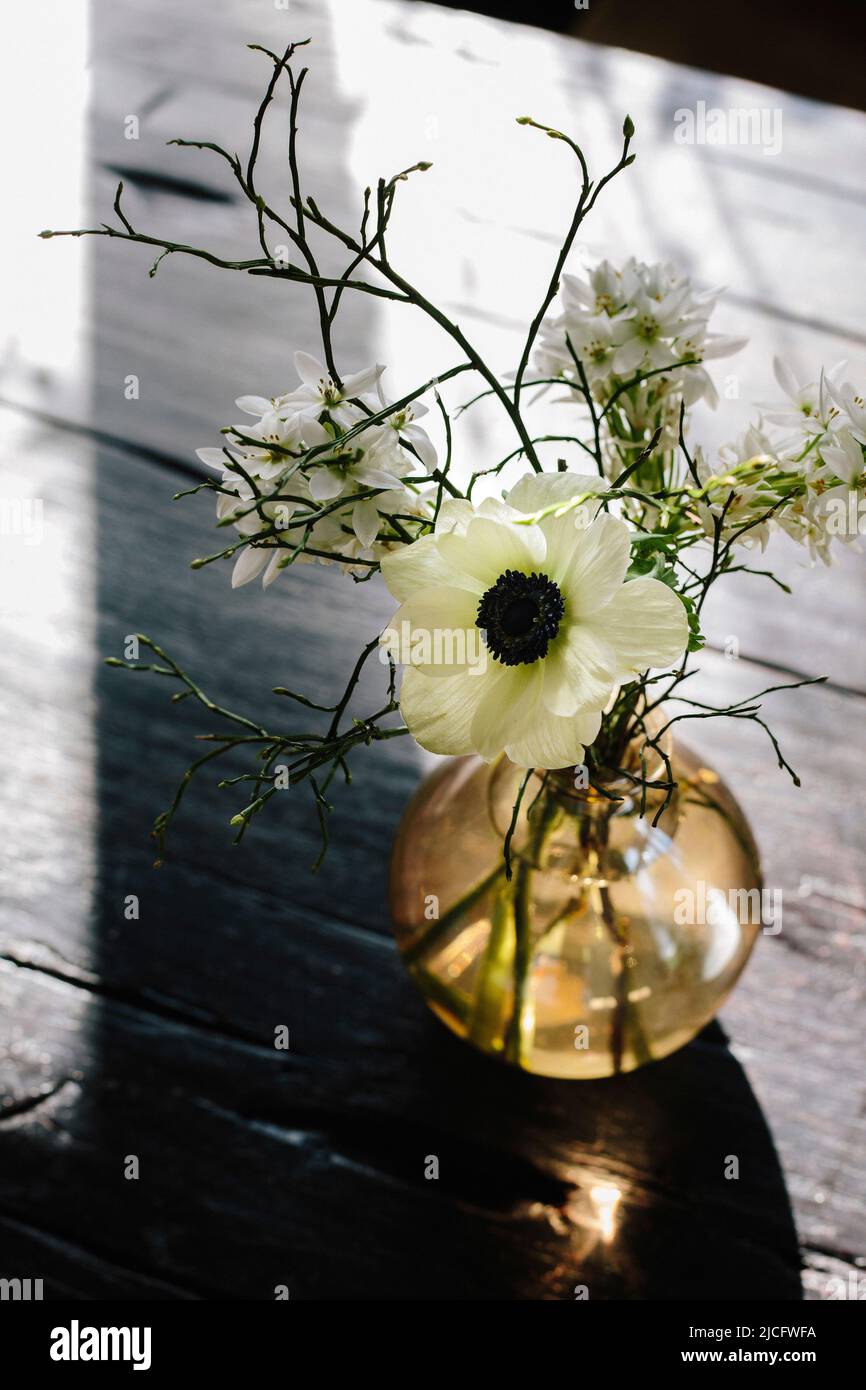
(614, 941)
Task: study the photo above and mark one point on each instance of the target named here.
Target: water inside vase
(594, 959)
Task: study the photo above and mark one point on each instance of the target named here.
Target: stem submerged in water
(494, 974)
(428, 939)
(617, 1024)
(521, 1026)
(518, 1036)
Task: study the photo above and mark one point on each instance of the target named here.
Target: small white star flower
(310, 449)
(319, 394)
(636, 321)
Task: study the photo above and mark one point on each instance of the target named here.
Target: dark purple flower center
(519, 616)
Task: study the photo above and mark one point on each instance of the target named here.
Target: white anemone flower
(549, 625)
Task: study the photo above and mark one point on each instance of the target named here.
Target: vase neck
(579, 818)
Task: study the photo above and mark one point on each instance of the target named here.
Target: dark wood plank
(325, 1191)
(71, 1271)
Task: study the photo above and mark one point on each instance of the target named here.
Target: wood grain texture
(155, 1037)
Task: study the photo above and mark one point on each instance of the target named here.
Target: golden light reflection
(602, 1001)
(606, 1197)
(459, 955)
(557, 994)
(593, 1211)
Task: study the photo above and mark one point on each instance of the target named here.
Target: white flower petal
(697, 386)
(563, 535)
(845, 457)
(309, 431)
(455, 514)
(249, 525)
(551, 742)
(434, 631)
(597, 567)
(437, 610)
(423, 445)
(439, 711)
(214, 458)
(249, 564)
(369, 476)
(488, 548)
(327, 483)
(268, 471)
(417, 566)
(365, 520)
(274, 569)
(359, 382)
(786, 378)
(718, 345)
(254, 405)
(629, 356)
(536, 491)
(580, 670)
(646, 624)
(509, 695)
(496, 510)
(309, 369)
(303, 417)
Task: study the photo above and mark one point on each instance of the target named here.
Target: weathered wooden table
(154, 1037)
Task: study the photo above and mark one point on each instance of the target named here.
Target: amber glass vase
(615, 939)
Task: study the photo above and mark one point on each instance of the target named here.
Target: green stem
(494, 972)
(625, 1016)
(617, 1026)
(448, 998)
(521, 1025)
(439, 927)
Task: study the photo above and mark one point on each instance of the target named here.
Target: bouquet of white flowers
(550, 624)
